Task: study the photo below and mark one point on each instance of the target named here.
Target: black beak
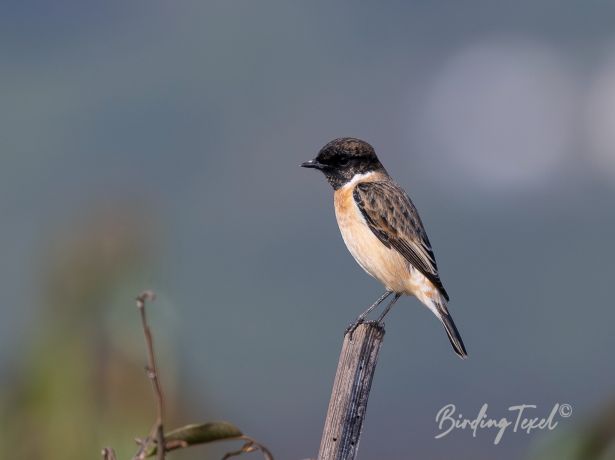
(312, 164)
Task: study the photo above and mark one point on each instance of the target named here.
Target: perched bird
(382, 230)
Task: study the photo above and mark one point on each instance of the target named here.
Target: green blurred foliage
(592, 439)
(81, 383)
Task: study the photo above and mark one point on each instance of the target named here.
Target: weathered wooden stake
(353, 381)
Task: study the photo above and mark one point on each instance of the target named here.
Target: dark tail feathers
(452, 332)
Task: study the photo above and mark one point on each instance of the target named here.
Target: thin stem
(157, 431)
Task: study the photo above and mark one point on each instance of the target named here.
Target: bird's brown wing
(392, 217)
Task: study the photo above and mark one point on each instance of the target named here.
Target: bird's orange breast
(384, 264)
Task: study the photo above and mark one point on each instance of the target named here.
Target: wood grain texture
(348, 404)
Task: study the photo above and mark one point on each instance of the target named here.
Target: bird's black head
(342, 159)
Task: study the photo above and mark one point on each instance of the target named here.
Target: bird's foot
(353, 326)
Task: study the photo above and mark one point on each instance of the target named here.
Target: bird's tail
(440, 310)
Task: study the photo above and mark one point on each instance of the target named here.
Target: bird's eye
(343, 161)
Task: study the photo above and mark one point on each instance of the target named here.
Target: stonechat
(383, 231)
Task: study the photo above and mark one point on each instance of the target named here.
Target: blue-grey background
(161, 142)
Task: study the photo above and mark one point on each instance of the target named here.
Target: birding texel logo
(522, 418)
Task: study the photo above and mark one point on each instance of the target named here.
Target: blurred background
(156, 145)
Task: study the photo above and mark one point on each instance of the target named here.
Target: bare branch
(250, 446)
(157, 443)
(157, 431)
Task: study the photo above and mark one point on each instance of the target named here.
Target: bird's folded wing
(392, 217)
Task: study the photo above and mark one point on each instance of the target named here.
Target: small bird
(383, 231)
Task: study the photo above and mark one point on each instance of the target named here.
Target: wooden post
(348, 403)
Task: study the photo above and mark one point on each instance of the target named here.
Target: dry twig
(156, 443)
(157, 432)
(250, 446)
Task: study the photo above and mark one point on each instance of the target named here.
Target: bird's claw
(353, 326)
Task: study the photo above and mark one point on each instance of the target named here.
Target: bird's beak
(312, 164)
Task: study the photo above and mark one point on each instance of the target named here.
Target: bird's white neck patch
(358, 178)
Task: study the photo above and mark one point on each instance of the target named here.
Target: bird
(382, 230)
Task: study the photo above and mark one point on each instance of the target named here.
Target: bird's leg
(388, 307)
(361, 318)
